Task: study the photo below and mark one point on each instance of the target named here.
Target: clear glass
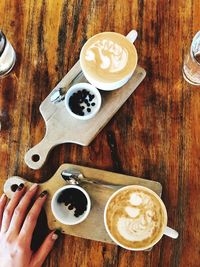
(191, 65)
(7, 55)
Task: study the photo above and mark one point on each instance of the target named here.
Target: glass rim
(194, 57)
(4, 44)
(194, 47)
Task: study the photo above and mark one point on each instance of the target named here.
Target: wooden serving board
(61, 127)
(93, 227)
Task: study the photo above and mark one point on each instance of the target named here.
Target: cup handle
(171, 232)
(132, 36)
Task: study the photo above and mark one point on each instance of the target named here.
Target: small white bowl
(62, 213)
(93, 90)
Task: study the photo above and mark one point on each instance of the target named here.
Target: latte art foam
(135, 218)
(111, 56)
(141, 223)
(107, 58)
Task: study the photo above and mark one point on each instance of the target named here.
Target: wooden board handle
(37, 155)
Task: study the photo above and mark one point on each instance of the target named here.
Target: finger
(3, 201)
(8, 211)
(31, 218)
(40, 256)
(21, 209)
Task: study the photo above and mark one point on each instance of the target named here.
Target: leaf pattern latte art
(107, 55)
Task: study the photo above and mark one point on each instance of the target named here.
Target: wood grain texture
(155, 134)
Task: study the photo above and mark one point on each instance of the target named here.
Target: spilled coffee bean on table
(82, 102)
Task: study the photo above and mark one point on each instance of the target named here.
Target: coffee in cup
(108, 60)
(136, 218)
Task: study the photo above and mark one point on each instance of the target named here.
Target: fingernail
(20, 187)
(44, 193)
(14, 187)
(33, 187)
(56, 234)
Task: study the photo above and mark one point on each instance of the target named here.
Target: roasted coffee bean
(70, 207)
(91, 97)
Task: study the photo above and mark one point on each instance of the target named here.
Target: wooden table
(155, 134)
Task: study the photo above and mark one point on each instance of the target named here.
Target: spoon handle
(112, 186)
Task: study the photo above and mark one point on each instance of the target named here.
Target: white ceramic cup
(64, 215)
(132, 35)
(93, 90)
(166, 230)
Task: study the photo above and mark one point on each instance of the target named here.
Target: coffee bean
(91, 97)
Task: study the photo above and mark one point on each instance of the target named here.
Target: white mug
(104, 85)
(165, 230)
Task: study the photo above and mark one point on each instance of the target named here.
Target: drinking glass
(191, 65)
(7, 55)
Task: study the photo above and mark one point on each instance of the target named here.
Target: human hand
(17, 225)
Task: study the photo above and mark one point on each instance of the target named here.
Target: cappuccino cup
(108, 59)
(135, 218)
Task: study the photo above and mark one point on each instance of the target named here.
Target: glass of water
(191, 65)
(7, 55)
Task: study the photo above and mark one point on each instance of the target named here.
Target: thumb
(40, 255)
